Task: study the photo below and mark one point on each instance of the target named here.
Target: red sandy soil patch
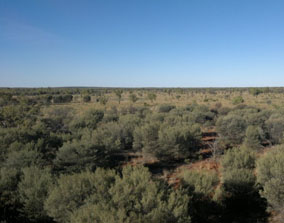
(208, 164)
(208, 138)
(205, 151)
(210, 129)
(209, 135)
(138, 159)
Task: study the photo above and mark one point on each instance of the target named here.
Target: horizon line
(153, 87)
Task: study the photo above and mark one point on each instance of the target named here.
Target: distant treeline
(99, 90)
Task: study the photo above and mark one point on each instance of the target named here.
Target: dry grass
(264, 101)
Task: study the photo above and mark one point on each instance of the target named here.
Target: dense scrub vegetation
(108, 155)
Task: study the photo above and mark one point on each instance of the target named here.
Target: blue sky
(141, 43)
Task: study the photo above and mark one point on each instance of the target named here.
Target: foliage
(257, 91)
(167, 142)
(9, 178)
(270, 173)
(118, 93)
(239, 191)
(71, 192)
(86, 98)
(166, 108)
(238, 158)
(52, 149)
(90, 119)
(237, 100)
(62, 98)
(201, 182)
(133, 98)
(79, 155)
(135, 197)
(103, 100)
(18, 115)
(231, 129)
(200, 114)
(57, 119)
(23, 158)
(254, 137)
(275, 127)
(146, 137)
(151, 96)
(177, 141)
(202, 186)
(114, 136)
(33, 189)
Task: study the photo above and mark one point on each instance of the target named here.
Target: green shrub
(146, 138)
(33, 189)
(86, 98)
(239, 192)
(275, 127)
(22, 158)
(103, 100)
(79, 155)
(10, 202)
(238, 158)
(254, 137)
(167, 142)
(166, 108)
(177, 141)
(201, 182)
(135, 197)
(238, 100)
(237, 182)
(71, 192)
(151, 96)
(231, 128)
(90, 119)
(62, 98)
(133, 98)
(270, 172)
(118, 93)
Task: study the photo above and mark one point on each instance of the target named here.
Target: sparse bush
(231, 128)
(103, 100)
(151, 96)
(62, 98)
(118, 93)
(71, 192)
(76, 156)
(167, 142)
(239, 192)
(114, 136)
(238, 100)
(10, 203)
(177, 141)
(133, 98)
(254, 137)
(135, 197)
(255, 91)
(166, 108)
(86, 98)
(238, 158)
(201, 182)
(90, 119)
(275, 128)
(146, 138)
(270, 172)
(178, 97)
(33, 189)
